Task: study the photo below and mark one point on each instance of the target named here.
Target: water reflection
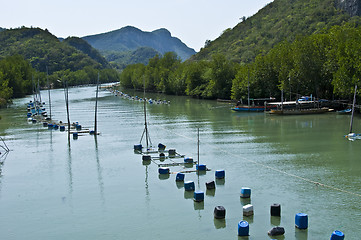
(220, 181)
(188, 194)
(198, 205)
(219, 223)
(70, 172)
(211, 192)
(275, 221)
(180, 184)
(245, 201)
(301, 234)
(99, 170)
(163, 176)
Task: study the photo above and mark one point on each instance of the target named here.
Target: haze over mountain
(129, 39)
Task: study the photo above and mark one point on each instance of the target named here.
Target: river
(97, 188)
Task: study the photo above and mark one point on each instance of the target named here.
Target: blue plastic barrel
(243, 228)
(138, 147)
(188, 160)
(62, 128)
(78, 127)
(92, 132)
(163, 170)
(29, 114)
(180, 177)
(337, 235)
(198, 196)
(55, 126)
(50, 126)
(220, 174)
(301, 220)
(189, 186)
(201, 167)
(75, 135)
(45, 124)
(245, 192)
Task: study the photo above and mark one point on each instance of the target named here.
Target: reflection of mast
(70, 170)
(96, 108)
(100, 178)
(147, 137)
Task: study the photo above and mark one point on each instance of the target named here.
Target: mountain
(2, 29)
(42, 49)
(130, 39)
(278, 21)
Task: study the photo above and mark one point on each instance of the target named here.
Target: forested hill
(279, 20)
(130, 39)
(43, 50)
(2, 29)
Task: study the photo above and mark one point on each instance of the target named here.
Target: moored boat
(299, 111)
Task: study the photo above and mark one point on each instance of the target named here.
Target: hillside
(42, 49)
(279, 20)
(130, 39)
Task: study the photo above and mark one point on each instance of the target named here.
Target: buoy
(180, 177)
(219, 212)
(172, 152)
(50, 126)
(146, 158)
(201, 167)
(56, 127)
(78, 127)
(275, 231)
(210, 185)
(161, 147)
(243, 228)
(62, 128)
(45, 124)
(188, 160)
(163, 170)
(248, 210)
(189, 186)
(301, 220)
(138, 147)
(75, 135)
(92, 132)
(276, 210)
(198, 196)
(337, 235)
(245, 192)
(220, 174)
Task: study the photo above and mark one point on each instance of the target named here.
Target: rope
(272, 168)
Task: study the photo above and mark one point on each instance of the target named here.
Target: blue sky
(192, 21)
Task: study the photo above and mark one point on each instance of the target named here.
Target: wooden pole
(198, 150)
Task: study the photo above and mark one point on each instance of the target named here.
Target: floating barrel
(219, 212)
(29, 114)
(248, 210)
(138, 147)
(337, 235)
(243, 228)
(276, 210)
(180, 177)
(245, 192)
(62, 128)
(92, 132)
(220, 174)
(198, 196)
(45, 124)
(56, 126)
(301, 220)
(161, 155)
(189, 186)
(188, 160)
(33, 120)
(210, 185)
(146, 158)
(172, 152)
(161, 147)
(201, 167)
(75, 135)
(50, 126)
(163, 170)
(275, 231)
(78, 127)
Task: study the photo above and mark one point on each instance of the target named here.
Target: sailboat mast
(47, 81)
(96, 107)
(145, 118)
(198, 148)
(353, 108)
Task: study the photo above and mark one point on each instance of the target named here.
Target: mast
(248, 89)
(198, 150)
(96, 107)
(67, 105)
(353, 108)
(47, 81)
(147, 137)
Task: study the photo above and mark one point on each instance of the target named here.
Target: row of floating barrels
(301, 219)
(62, 128)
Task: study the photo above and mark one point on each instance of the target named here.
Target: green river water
(97, 188)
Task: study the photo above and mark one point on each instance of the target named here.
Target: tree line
(326, 65)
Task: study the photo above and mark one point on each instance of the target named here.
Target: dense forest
(326, 64)
(31, 53)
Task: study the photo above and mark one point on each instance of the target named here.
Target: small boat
(257, 105)
(344, 111)
(299, 111)
(353, 136)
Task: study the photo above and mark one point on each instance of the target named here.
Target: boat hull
(299, 111)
